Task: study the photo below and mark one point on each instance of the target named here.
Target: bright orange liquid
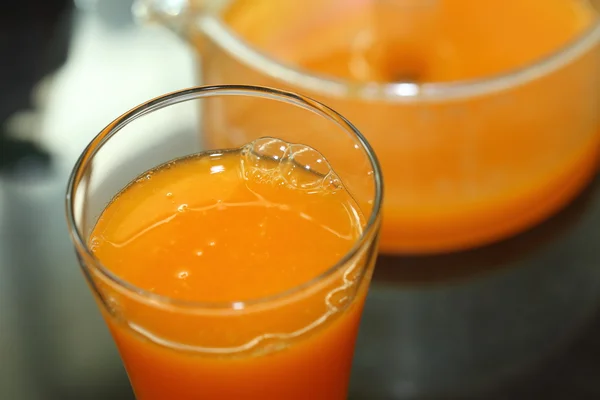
(461, 172)
(453, 40)
(223, 227)
(410, 40)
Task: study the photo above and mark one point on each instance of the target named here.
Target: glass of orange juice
(229, 273)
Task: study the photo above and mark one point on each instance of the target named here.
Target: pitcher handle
(180, 16)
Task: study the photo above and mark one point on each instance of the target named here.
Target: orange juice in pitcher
(485, 114)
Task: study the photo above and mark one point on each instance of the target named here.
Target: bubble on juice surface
(332, 182)
(297, 165)
(146, 177)
(94, 243)
(183, 274)
(261, 158)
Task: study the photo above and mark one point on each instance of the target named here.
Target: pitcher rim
(227, 40)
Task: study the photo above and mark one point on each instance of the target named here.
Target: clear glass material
(466, 163)
(296, 349)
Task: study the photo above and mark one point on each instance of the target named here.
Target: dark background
(66, 70)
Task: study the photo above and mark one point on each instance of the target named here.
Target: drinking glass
(299, 348)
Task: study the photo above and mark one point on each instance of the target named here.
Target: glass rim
(211, 25)
(82, 164)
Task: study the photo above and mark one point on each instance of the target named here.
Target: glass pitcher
(482, 131)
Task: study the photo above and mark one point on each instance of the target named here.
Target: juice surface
(460, 172)
(224, 227)
(455, 40)
(422, 41)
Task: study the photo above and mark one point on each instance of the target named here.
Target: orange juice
(463, 165)
(226, 229)
(428, 41)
